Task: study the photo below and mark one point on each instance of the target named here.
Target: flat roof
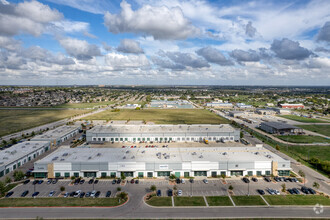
(20, 150)
(164, 155)
(56, 133)
(278, 125)
(161, 128)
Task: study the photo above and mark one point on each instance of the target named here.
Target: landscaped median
(219, 201)
(248, 200)
(160, 201)
(189, 201)
(53, 202)
(297, 200)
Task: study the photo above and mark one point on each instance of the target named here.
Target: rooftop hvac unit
(193, 153)
(27, 144)
(143, 151)
(256, 153)
(98, 154)
(89, 158)
(5, 158)
(65, 154)
(132, 157)
(1, 162)
(224, 153)
(62, 159)
(127, 151)
(13, 152)
(124, 157)
(201, 156)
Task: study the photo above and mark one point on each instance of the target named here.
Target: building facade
(279, 128)
(161, 162)
(162, 133)
(292, 106)
(17, 155)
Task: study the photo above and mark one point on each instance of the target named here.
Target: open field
(248, 200)
(302, 119)
(320, 152)
(162, 116)
(219, 201)
(189, 201)
(84, 105)
(17, 120)
(321, 129)
(297, 200)
(23, 202)
(160, 201)
(303, 139)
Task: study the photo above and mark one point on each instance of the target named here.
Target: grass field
(321, 129)
(218, 201)
(302, 119)
(303, 139)
(248, 200)
(297, 200)
(162, 116)
(84, 105)
(321, 152)
(23, 202)
(160, 201)
(17, 120)
(189, 201)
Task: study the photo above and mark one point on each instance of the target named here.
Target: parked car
(291, 191)
(136, 181)
(82, 181)
(114, 181)
(179, 192)
(49, 181)
(26, 181)
(277, 192)
(35, 182)
(93, 193)
(24, 193)
(170, 192)
(305, 190)
(191, 180)
(90, 181)
(66, 195)
(294, 180)
(54, 181)
(9, 194)
(296, 191)
(183, 181)
(88, 194)
(159, 192)
(205, 181)
(261, 192)
(77, 181)
(97, 194)
(72, 193)
(246, 180)
(108, 194)
(96, 181)
(178, 181)
(277, 179)
(132, 181)
(82, 194)
(271, 191)
(35, 194)
(118, 181)
(40, 181)
(267, 179)
(254, 179)
(311, 191)
(51, 194)
(77, 193)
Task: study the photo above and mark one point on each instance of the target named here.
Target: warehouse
(279, 128)
(19, 154)
(58, 135)
(161, 162)
(219, 105)
(162, 133)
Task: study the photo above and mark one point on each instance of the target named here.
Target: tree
(18, 175)
(302, 174)
(2, 188)
(223, 176)
(8, 179)
(283, 187)
(4, 142)
(316, 185)
(13, 141)
(118, 189)
(175, 188)
(122, 195)
(230, 187)
(172, 177)
(62, 188)
(153, 188)
(277, 147)
(241, 134)
(122, 176)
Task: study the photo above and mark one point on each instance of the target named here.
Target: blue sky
(165, 42)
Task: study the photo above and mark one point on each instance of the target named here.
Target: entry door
(177, 174)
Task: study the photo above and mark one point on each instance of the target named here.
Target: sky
(164, 42)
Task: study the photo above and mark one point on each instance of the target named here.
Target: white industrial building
(18, 154)
(219, 105)
(58, 135)
(161, 162)
(161, 133)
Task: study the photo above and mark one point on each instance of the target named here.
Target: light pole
(249, 188)
(191, 188)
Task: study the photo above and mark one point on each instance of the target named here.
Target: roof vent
(62, 159)
(98, 154)
(201, 156)
(193, 153)
(127, 151)
(256, 153)
(132, 157)
(224, 153)
(65, 154)
(89, 158)
(124, 157)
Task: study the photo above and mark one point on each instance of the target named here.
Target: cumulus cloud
(129, 46)
(106, 46)
(212, 55)
(167, 64)
(322, 49)
(245, 56)
(9, 43)
(250, 30)
(324, 33)
(159, 22)
(121, 61)
(186, 59)
(80, 49)
(26, 17)
(289, 50)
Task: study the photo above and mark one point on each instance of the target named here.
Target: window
(34, 155)
(186, 174)
(150, 174)
(121, 139)
(103, 174)
(116, 139)
(268, 173)
(29, 158)
(103, 139)
(113, 174)
(156, 139)
(111, 139)
(236, 173)
(258, 173)
(250, 173)
(99, 139)
(126, 139)
(163, 173)
(1, 173)
(223, 173)
(57, 174)
(66, 174)
(284, 172)
(148, 139)
(178, 139)
(94, 139)
(14, 167)
(76, 174)
(140, 174)
(200, 173)
(143, 139)
(7, 170)
(19, 164)
(214, 174)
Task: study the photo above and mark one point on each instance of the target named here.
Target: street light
(249, 188)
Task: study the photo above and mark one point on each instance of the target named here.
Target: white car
(183, 181)
(51, 193)
(205, 181)
(77, 193)
(93, 193)
(180, 192)
(66, 195)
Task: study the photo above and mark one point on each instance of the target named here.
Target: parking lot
(214, 187)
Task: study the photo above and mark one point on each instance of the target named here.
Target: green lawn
(303, 139)
(297, 200)
(84, 105)
(162, 116)
(17, 120)
(160, 201)
(21, 202)
(189, 201)
(320, 152)
(248, 200)
(218, 201)
(302, 119)
(321, 129)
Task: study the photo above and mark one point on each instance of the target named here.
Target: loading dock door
(177, 174)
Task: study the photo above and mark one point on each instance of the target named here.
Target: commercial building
(161, 162)
(294, 106)
(243, 106)
(219, 105)
(279, 128)
(161, 133)
(170, 104)
(236, 114)
(266, 111)
(58, 135)
(19, 154)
